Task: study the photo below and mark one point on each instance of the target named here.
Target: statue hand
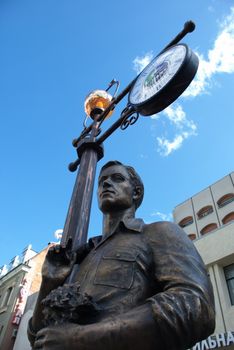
(58, 264)
(62, 337)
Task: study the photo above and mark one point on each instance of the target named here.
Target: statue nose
(106, 183)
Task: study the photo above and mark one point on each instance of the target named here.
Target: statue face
(115, 190)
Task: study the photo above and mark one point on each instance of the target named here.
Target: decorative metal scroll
(130, 119)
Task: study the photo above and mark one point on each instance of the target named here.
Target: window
(14, 333)
(186, 221)
(205, 211)
(192, 236)
(228, 218)
(208, 228)
(6, 297)
(228, 198)
(229, 275)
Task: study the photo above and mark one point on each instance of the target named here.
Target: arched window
(228, 198)
(228, 218)
(205, 211)
(209, 228)
(186, 221)
(192, 236)
(229, 275)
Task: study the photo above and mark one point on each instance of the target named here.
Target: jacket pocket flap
(120, 255)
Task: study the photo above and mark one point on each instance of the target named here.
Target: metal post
(77, 220)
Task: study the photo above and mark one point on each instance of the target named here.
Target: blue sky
(53, 53)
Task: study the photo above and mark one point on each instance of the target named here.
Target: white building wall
(208, 196)
(186, 210)
(216, 247)
(219, 189)
(232, 177)
(217, 250)
(22, 342)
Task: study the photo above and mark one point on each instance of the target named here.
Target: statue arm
(132, 330)
(184, 309)
(55, 269)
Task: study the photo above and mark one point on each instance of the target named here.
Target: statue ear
(136, 193)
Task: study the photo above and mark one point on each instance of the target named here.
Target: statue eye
(118, 177)
(100, 181)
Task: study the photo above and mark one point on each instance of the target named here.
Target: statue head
(119, 187)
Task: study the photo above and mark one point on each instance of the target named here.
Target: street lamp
(157, 86)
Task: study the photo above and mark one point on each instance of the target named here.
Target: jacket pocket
(116, 269)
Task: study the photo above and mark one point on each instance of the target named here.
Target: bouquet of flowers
(67, 304)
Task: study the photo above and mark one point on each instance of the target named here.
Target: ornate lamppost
(157, 86)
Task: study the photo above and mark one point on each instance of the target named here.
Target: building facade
(208, 220)
(18, 280)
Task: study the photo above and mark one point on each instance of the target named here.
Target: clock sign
(163, 80)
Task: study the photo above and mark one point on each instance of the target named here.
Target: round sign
(163, 80)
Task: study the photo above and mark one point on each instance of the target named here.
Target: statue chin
(108, 205)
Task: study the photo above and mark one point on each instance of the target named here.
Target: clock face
(157, 74)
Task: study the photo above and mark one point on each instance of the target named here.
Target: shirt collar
(131, 224)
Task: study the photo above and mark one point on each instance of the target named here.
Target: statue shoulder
(168, 238)
(160, 226)
(165, 230)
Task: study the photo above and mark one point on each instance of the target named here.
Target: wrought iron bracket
(130, 117)
(89, 144)
(84, 145)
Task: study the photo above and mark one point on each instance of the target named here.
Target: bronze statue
(140, 286)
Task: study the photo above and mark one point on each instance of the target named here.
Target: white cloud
(175, 114)
(161, 216)
(184, 129)
(140, 62)
(220, 59)
(155, 116)
(58, 233)
(166, 147)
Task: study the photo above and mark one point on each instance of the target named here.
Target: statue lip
(107, 192)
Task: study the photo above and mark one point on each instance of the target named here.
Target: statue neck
(111, 220)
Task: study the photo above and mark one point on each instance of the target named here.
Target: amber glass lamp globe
(97, 99)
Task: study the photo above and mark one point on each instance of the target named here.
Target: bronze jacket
(152, 287)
